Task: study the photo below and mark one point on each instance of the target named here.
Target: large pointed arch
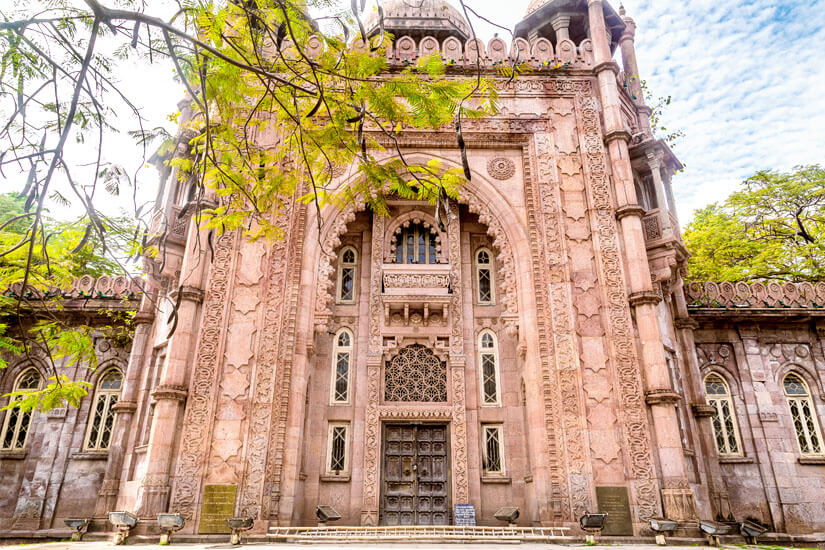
(480, 196)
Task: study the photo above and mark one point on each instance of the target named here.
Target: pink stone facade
(567, 359)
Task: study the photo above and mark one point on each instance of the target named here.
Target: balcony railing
(416, 280)
(652, 225)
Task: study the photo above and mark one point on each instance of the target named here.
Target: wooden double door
(415, 486)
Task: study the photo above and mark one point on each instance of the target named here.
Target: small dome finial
(621, 10)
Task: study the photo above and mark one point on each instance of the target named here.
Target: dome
(419, 18)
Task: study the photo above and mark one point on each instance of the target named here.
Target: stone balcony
(416, 293)
(652, 224)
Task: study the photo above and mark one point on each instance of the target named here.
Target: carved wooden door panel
(415, 490)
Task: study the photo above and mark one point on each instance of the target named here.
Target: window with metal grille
(337, 448)
(347, 272)
(725, 430)
(416, 244)
(341, 366)
(102, 415)
(17, 422)
(415, 374)
(485, 283)
(492, 455)
(803, 416)
(488, 366)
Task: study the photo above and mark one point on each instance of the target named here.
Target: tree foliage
(276, 102)
(773, 228)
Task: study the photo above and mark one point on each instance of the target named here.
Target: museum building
(538, 350)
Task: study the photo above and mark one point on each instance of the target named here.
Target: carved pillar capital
(685, 323)
(189, 293)
(629, 210)
(644, 297)
(561, 24)
(169, 392)
(702, 410)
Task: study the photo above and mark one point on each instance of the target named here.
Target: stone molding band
(190, 293)
(614, 135)
(702, 410)
(611, 66)
(644, 297)
(660, 396)
(168, 391)
(629, 210)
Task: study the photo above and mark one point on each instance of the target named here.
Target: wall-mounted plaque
(218, 505)
(615, 502)
(464, 515)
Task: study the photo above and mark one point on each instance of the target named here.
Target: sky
(746, 80)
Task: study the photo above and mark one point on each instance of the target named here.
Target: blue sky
(747, 82)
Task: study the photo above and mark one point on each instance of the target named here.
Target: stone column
(561, 24)
(763, 417)
(172, 389)
(655, 161)
(676, 493)
(372, 428)
(631, 70)
(125, 408)
(667, 176)
(685, 326)
(458, 362)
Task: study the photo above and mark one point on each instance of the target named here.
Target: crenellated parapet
(758, 295)
(539, 54)
(85, 287)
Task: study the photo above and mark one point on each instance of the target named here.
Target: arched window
(803, 415)
(488, 366)
(341, 366)
(485, 283)
(102, 415)
(17, 423)
(347, 273)
(416, 244)
(725, 430)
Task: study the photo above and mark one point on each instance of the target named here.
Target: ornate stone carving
(501, 168)
(396, 225)
(416, 280)
(198, 416)
(564, 336)
(504, 260)
(270, 359)
(456, 309)
(653, 230)
(635, 423)
(459, 434)
(415, 374)
(549, 383)
(369, 509)
(756, 295)
(330, 240)
(282, 357)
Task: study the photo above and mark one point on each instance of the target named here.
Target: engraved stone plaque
(464, 515)
(615, 502)
(218, 505)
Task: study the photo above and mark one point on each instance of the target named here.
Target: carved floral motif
(756, 295)
(415, 280)
(617, 311)
(501, 168)
(564, 337)
(199, 407)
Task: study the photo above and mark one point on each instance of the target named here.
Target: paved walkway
(97, 545)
